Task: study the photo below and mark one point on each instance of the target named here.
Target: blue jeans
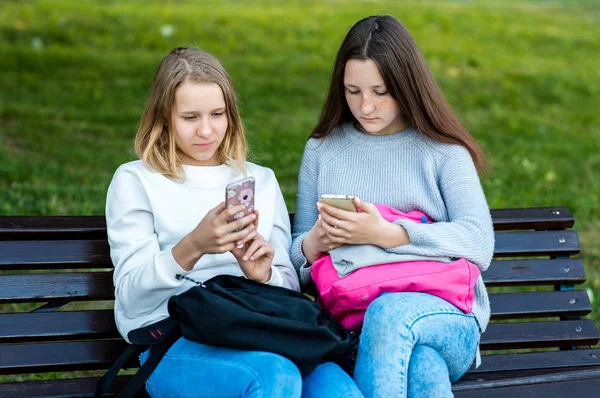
(415, 345)
(191, 369)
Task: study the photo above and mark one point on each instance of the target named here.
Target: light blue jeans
(191, 369)
(415, 345)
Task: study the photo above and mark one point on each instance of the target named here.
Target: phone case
(344, 203)
(240, 192)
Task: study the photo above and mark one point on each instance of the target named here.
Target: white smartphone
(343, 202)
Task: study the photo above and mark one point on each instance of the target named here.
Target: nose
(367, 106)
(203, 129)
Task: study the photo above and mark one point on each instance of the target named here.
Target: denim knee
(329, 380)
(284, 372)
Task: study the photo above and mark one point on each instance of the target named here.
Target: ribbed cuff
(169, 264)
(414, 231)
(276, 278)
(299, 260)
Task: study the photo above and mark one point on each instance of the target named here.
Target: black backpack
(239, 313)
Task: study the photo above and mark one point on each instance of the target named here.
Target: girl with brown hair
(387, 135)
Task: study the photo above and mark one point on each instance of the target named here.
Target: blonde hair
(154, 141)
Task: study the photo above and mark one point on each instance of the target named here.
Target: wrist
(264, 278)
(394, 235)
(268, 277)
(186, 254)
(308, 248)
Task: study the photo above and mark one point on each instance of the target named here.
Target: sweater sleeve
(144, 276)
(306, 209)
(469, 231)
(283, 272)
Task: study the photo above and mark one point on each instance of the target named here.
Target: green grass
(522, 76)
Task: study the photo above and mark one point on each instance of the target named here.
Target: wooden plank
(95, 253)
(538, 218)
(536, 243)
(52, 227)
(60, 356)
(20, 288)
(500, 336)
(579, 383)
(54, 254)
(67, 325)
(540, 304)
(62, 388)
(538, 360)
(567, 271)
(94, 227)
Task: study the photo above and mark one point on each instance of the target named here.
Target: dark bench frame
(74, 256)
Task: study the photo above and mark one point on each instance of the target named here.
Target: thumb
(367, 207)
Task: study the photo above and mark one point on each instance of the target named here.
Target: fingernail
(245, 258)
(252, 258)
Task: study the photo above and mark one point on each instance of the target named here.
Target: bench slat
(500, 336)
(564, 271)
(20, 288)
(60, 356)
(573, 383)
(538, 360)
(532, 218)
(85, 387)
(54, 254)
(67, 325)
(94, 227)
(20, 327)
(62, 388)
(536, 243)
(540, 304)
(52, 227)
(95, 253)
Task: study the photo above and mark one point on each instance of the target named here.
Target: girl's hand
(317, 242)
(215, 235)
(255, 258)
(365, 227)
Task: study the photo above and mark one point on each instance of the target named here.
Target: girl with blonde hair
(168, 226)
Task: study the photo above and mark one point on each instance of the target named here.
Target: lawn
(522, 76)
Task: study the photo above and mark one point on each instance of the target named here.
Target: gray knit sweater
(407, 171)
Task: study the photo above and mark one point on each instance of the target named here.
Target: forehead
(199, 96)
(362, 73)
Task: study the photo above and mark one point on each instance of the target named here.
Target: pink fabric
(348, 298)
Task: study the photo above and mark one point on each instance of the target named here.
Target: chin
(372, 129)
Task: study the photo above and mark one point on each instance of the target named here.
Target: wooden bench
(54, 261)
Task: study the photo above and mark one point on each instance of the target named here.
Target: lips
(369, 119)
(206, 145)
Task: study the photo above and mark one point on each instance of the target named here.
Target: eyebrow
(222, 109)
(353, 86)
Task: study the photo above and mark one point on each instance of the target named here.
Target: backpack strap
(158, 348)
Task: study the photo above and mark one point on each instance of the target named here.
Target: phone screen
(240, 193)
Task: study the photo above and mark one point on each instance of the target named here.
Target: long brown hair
(387, 42)
(154, 141)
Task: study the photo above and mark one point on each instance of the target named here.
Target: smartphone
(240, 193)
(344, 202)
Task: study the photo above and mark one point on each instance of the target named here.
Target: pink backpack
(348, 298)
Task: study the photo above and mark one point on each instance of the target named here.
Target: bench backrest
(56, 278)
